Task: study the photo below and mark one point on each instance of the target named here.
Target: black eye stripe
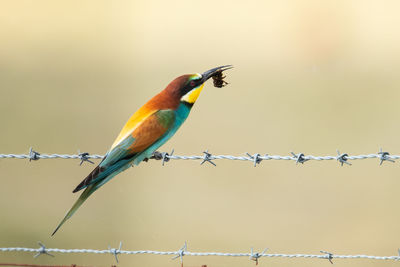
(195, 81)
(190, 85)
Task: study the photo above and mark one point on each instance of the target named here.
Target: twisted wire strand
(49, 156)
(44, 250)
(208, 157)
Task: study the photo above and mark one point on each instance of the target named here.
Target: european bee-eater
(148, 128)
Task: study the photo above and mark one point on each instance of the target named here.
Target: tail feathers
(93, 184)
(85, 194)
(90, 179)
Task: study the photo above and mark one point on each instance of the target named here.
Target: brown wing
(146, 134)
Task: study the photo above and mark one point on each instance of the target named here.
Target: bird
(147, 129)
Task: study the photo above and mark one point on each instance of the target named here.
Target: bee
(218, 79)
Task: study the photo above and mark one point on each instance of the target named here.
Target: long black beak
(208, 74)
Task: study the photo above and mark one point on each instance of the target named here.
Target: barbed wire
(342, 158)
(255, 256)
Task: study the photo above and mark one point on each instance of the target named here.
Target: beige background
(310, 76)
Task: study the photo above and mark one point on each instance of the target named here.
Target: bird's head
(188, 87)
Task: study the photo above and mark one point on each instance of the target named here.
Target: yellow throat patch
(192, 95)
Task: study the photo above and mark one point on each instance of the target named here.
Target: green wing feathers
(136, 145)
(111, 162)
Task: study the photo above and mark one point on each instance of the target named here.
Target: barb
(115, 252)
(384, 156)
(255, 256)
(256, 159)
(183, 252)
(33, 155)
(342, 158)
(299, 158)
(84, 157)
(328, 256)
(207, 158)
(42, 250)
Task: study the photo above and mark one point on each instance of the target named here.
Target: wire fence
(342, 158)
(255, 256)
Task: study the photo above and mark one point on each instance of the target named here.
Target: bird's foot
(157, 155)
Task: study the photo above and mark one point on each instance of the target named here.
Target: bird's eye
(192, 83)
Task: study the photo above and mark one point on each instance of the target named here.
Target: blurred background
(309, 76)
